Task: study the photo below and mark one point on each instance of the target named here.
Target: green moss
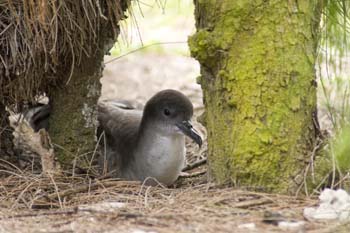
(295, 103)
(342, 149)
(72, 123)
(198, 44)
(257, 81)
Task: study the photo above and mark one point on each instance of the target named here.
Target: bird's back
(119, 124)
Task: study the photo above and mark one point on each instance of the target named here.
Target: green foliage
(336, 19)
(335, 85)
(342, 149)
(335, 88)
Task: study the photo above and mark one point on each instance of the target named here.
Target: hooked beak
(187, 129)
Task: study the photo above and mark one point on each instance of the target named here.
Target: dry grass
(37, 203)
(39, 38)
(85, 203)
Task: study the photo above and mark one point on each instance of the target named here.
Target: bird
(38, 116)
(26, 133)
(149, 142)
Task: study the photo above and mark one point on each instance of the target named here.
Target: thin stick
(195, 164)
(143, 47)
(251, 203)
(194, 174)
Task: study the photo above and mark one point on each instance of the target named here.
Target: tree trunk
(73, 120)
(61, 54)
(73, 117)
(258, 79)
(6, 145)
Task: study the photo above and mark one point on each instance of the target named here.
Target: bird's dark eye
(166, 112)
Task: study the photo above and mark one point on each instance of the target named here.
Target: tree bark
(6, 144)
(73, 120)
(258, 79)
(76, 33)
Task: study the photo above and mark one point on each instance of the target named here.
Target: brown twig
(194, 165)
(144, 47)
(194, 174)
(252, 203)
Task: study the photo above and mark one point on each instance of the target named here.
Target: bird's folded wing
(38, 116)
(121, 104)
(120, 122)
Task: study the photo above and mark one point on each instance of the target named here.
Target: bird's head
(171, 111)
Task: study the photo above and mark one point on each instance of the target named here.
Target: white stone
(291, 225)
(334, 204)
(250, 226)
(141, 231)
(103, 206)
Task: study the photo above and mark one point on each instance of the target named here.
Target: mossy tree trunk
(73, 117)
(258, 79)
(6, 145)
(73, 120)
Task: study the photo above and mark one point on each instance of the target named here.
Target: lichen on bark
(74, 117)
(72, 122)
(258, 79)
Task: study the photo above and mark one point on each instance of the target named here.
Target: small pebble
(250, 226)
(291, 225)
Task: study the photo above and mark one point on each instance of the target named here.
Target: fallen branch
(194, 174)
(252, 203)
(39, 143)
(194, 165)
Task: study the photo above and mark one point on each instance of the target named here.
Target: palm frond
(336, 25)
